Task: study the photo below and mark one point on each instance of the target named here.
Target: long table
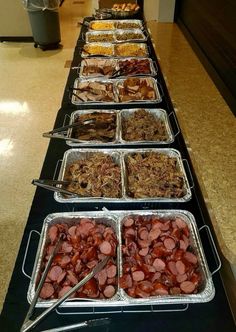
(213, 316)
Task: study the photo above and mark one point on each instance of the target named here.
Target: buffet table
(212, 316)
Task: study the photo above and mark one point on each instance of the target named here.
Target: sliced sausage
(180, 267)
(92, 264)
(111, 271)
(61, 277)
(190, 257)
(65, 261)
(146, 286)
(72, 231)
(159, 264)
(154, 234)
(109, 291)
(105, 248)
(181, 277)
(72, 278)
(102, 277)
(143, 233)
(169, 243)
(47, 291)
(128, 222)
(182, 245)
(138, 275)
(140, 293)
(187, 287)
(64, 290)
(53, 233)
(172, 267)
(144, 251)
(180, 223)
(159, 289)
(55, 272)
(156, 276)
(125, 281)
(175, 291)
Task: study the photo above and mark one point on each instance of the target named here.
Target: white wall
(14, 19)
(159, 10)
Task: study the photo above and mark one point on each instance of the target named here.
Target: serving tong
(55, 133)
(29, 323)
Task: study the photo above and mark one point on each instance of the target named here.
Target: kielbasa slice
(105, 248)
(111, 271)
(180, 267)
(138, 275)
(169, 243)
(187, 287)
(55, 272)
(159, 264)
(47, 291)
(109, 291)
(191, 258)
(128, 222)
(53, 233)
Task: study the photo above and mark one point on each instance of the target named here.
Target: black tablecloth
(213, 316)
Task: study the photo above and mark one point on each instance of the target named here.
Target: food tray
(116, 24)
(114, 62)
(121, 24)
(104, 33)
(114, 219)
(77, 101)
(108, 46)
(116, 83)
(159, 113)
(114, 36)
(69, 219)
(120, 32)
(119, 156)
(126, 46)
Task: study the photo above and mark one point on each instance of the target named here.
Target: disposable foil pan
(117, 83)
(142, 46)
(120, 24)
(116, 24)
(207, 291)
(95, 34)
(113, 62)
(110, 22)
(77, 113)
(119, 156)
(77, 101)
(153, 70)
(159, 114)
(152, 82)
(121, 32)
(72, 219)
(115, 220)
(84, 54)
(73, 155)
(121, 114)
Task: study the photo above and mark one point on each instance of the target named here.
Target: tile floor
(30, 108)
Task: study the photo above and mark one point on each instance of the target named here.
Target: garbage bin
(44, 21)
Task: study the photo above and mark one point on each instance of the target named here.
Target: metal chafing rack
(115, 220)
(119, 156)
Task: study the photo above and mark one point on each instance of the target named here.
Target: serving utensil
(30, 324)
(87, 323)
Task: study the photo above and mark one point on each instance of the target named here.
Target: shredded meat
(95, 176)
(154, 174)
(103, 127)
(134, 67)
(143, 126)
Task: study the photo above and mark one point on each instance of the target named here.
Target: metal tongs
(29, 324)
(52, 185)
(56, 132)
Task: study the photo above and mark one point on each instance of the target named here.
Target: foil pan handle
(213, 247)
(176, 123)
(66, 120)
(55, 174)
(185, 161)
(26, 253)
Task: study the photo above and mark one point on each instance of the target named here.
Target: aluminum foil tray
(114, 62)
(119, 156)
(116, 24)
(117, 83)
(158, 113)
(121, 32)
(114, 219)
(114, 36)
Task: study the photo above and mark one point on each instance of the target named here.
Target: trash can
(44, 21)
